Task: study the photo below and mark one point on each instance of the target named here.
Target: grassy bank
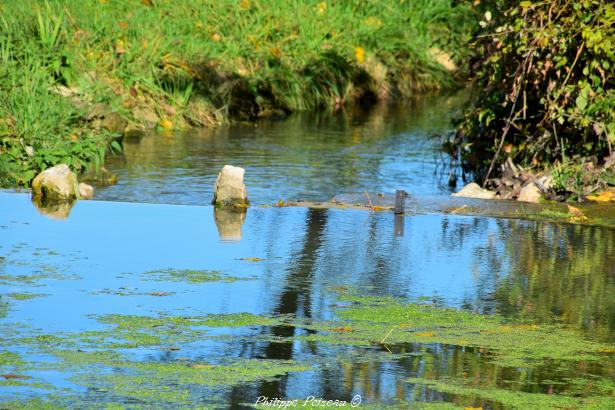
(76, 74)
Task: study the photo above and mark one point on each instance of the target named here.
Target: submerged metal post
(400, 201)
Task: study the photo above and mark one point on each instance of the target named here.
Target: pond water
(110, 304)
(308, 156)
(128, 304)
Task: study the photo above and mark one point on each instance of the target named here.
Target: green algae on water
(25, 296)
(514, 399)
(191, 276)
(379, 320)
(158, 383)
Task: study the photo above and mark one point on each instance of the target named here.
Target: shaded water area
(143, 305)
(310, 156)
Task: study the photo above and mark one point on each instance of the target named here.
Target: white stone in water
(473, 190)
(230, 189)
(56, 184)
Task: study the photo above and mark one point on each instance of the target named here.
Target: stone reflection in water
(229, 222)
(54, 210)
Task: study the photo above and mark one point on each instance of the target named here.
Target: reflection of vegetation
(559, 273)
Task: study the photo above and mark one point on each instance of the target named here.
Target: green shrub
(544, 73)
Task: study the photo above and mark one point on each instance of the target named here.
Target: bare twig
(387, 336)
(369, 200)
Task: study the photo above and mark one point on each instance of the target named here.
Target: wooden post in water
(400, 202)
(400, 209)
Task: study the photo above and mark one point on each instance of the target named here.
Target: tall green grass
(195, 62)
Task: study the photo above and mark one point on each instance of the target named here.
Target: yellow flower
(216, 37)
(359, 54)
(166, 124)
(245, 4)
(120, 47)
(276, 52)
(321, 8)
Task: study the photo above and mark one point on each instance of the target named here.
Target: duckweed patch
(163, 383)
(25, 296)
(8, 358)
(384, 320)
(132, 331)
(191, 276)
(476, 395)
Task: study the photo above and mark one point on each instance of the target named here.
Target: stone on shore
(530, 193)
(56, 184)
(230, 190)
(86, 191)
(473, 190)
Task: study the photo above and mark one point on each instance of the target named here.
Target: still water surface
(102, 261)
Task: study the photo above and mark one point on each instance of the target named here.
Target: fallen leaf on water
(575, 211)
(171, 348)
(342, 329)
(183, 359)
(200, 366)
(525, 327)
(251, 259)
(606, 196)
(159, 294)
(424, 334)
(14, 376)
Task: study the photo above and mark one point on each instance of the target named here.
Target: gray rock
(86, 191)
(473, 190)
(56, 184)
(230, 190)
(146, 116)
(545, 183)
(530, 193)
(114, 122)
(98, 111)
